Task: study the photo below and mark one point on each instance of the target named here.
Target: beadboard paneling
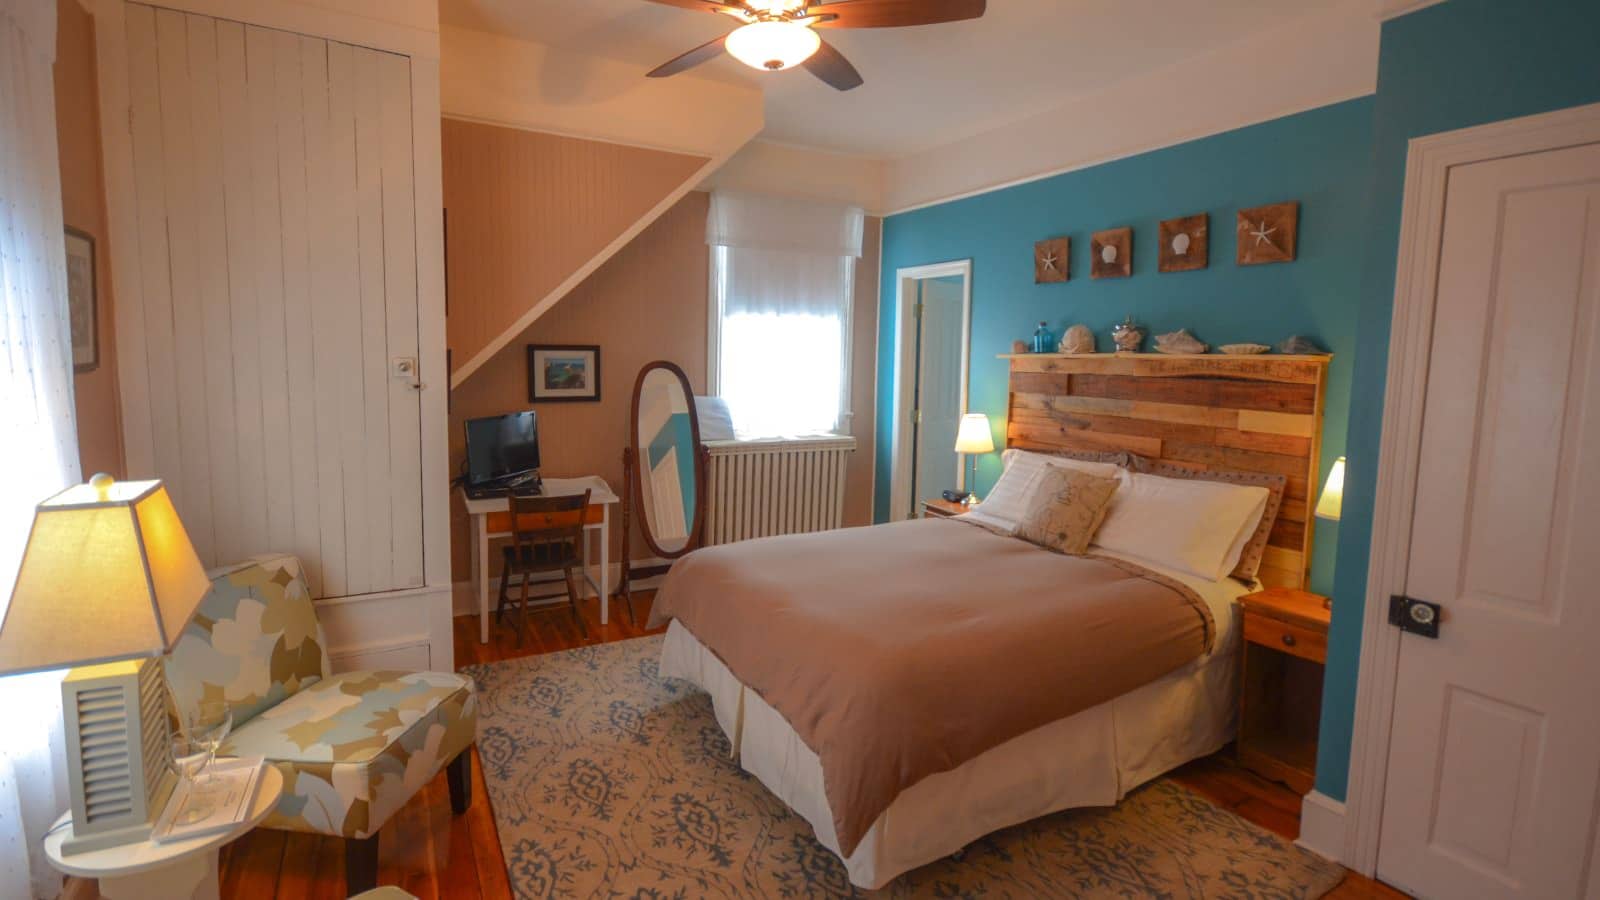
(574, 197)
(277, 278)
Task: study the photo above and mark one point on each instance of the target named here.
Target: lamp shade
(973, 435)
(1332, 500)
(108, 574)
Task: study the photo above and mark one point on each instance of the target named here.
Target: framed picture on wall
(563, 372)
(81, 301)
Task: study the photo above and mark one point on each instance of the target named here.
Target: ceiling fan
(779, 34)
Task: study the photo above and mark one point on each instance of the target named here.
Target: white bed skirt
(1092, 758)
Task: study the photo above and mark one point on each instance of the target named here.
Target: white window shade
(763, 222)
(783, 276)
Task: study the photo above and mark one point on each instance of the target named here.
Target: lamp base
(119, 748)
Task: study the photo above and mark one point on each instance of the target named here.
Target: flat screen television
(501, 447)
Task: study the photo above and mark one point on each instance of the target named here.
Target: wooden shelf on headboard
(1244, 413)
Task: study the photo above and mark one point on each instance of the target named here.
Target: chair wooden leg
(360, 864)
(572, 599)
(500, 608)
(524, 630)
(459, 775)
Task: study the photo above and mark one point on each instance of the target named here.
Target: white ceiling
(925, 86)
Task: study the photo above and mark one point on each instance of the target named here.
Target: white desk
(146, 870)
(481, 511)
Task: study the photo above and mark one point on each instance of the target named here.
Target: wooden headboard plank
(1251, 414)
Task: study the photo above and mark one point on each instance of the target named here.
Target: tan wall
(647, 303)
(84, 207)
(526, 210)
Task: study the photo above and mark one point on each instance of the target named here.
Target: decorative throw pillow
(1256, 546)
(1066, 508)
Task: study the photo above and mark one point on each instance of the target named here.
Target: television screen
(501, 446)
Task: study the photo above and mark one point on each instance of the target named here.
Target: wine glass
(188, 758)
(208, 724)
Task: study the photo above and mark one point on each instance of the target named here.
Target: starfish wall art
(1266, 234)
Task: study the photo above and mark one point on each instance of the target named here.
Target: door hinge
(917, 310)
(1415, 616)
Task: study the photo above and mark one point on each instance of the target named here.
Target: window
(783, 272)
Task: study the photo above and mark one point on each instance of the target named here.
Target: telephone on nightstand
(957, 496)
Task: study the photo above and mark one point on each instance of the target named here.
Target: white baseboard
(1322, 826)
(465, 603)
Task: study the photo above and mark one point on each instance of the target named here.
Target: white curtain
(38, 452)
(784, 273)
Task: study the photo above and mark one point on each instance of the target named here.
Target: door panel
(1495, 751)
(938, 388)
(273, 178)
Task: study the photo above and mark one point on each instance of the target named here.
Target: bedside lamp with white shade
(973, 437)
(107, 584)
(1331, 503)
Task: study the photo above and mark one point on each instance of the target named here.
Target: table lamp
(107, 584)
(1332, 499)
(973, 436)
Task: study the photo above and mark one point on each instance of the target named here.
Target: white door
(277, 281)
(1495, 750)
(938, 389)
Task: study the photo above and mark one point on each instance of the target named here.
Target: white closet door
(277, 251)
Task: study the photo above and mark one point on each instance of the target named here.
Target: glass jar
(1043, 340)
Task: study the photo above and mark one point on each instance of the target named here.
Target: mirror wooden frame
(633, 489)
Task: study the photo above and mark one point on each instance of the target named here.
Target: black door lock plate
(1415, 616)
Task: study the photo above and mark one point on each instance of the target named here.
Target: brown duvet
(899, 651)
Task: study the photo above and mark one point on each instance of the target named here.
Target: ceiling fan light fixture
(772, 46)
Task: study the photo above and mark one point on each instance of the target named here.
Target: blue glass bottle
(1043, 340)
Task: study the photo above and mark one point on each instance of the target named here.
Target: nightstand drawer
(1292, 639)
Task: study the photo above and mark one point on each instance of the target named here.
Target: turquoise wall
(1461, 63)
(1320, 158)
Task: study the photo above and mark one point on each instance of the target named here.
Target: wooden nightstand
(942, 509)
(1280, 685)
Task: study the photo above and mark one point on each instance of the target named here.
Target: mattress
(1091, 758)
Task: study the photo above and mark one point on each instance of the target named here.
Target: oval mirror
(666, 450)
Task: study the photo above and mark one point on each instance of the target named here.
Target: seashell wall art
(1111, 253)
(1184, 243)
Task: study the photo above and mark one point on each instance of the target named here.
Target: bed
(807, 663)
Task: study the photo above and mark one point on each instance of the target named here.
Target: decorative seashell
(1180, 341)
(1295, 345)
(1180, 244)
(1019, 346)
(1243, 349)
(1127, 336)
(1078, 339)
(1108, 253)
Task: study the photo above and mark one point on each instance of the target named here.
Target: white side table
(146, 870)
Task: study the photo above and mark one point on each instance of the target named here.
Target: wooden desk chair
(546, 536)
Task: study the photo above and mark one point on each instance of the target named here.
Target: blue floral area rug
(608, 780)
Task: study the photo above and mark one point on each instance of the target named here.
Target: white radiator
(779, 486)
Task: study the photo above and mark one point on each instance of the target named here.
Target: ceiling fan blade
(703, 53)
(894, 13)
(830, 65)
(698, 5)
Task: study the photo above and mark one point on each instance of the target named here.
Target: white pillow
(1008, 500)
(716, 422)
(1199, 527)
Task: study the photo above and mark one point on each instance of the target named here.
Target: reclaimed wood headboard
(1245, 413)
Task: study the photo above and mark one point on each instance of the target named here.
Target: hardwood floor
(431, 853)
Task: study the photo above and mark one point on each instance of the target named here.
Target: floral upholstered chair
(352, 747)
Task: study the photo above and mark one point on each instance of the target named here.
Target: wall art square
(81, 293)
(1267, 233)
(1050, 260)
(563, 372)
(1184, 244)
(1111, 253)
